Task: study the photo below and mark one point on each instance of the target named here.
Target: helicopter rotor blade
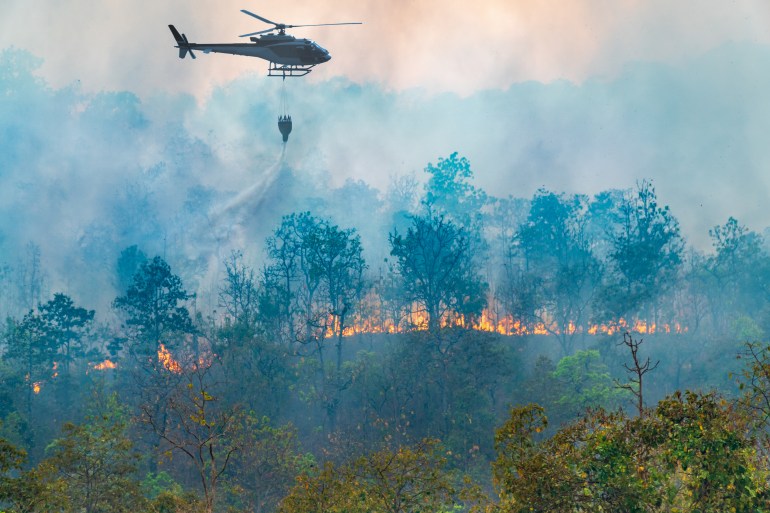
(260, 32)
(257, 16)
(326, 24)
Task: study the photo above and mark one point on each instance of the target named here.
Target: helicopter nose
(325, 57)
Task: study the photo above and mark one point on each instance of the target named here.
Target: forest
(462, 352)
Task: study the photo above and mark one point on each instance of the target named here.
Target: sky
(576, 96)
(435, 45)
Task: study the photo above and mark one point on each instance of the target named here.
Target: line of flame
(503, 325)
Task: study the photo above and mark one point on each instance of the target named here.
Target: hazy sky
(576, 96)
(437, 45)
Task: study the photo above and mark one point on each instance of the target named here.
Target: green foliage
(175, 500)
(315, 272)
(437, 268)
(691, 453)
(403, 480)
(156, 484)
(449, 191)
(267, 464)
(96, 464)
(153, 306)
(64, 326)
(646, 254)
(747, 330)
(736, 276)
(551, 274)
(586, 382)
(192, 422)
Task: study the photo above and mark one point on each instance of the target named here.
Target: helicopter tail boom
(182, 43)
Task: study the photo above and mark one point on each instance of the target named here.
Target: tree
(153, 305)
(239, 295)
(646, 254)
(27, 491)
(50, 335)
(637, 371)
(11, 460)
(267, 464)
(31, 278)
(129, 262)
(734, 269)
(586, 383)
(551, 275)
(288, 285)
(193, 422)
(450, 193)
(693, 452)
(65, 325)
(437, 269)
(708, 455)
(313, 286)
(27, 348)
(335, 256)
(755, 382)
(96, 463)
(403, 480)
(45, 344)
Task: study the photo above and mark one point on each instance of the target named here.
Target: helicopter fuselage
(280, 49)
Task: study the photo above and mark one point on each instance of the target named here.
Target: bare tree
(193, 422)
(238, 295)
(637, 370)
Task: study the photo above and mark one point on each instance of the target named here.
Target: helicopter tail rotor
(182, 43)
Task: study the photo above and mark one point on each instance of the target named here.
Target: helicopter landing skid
(288, 70)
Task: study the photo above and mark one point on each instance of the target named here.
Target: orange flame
(417, 320)
(165, 358)
(106, 364)
(36, 386)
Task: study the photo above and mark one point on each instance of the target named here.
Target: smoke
(84, 175)
(439, 45)
(229, 222)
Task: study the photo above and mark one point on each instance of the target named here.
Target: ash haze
(109, 139)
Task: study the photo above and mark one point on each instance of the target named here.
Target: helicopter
(288, 56)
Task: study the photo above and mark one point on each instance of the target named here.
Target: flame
(374, 318)
(165, 358)
(55, 371)
(36, 386)
(106, 364)
(206, 359)
(417, 319)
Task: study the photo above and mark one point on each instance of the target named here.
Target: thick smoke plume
(84, 175)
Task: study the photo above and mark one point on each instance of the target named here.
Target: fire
(106, 364)
(417, 320)
(36, 386)
(165, 358)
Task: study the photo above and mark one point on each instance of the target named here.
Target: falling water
(250, 198)
(227, 222)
